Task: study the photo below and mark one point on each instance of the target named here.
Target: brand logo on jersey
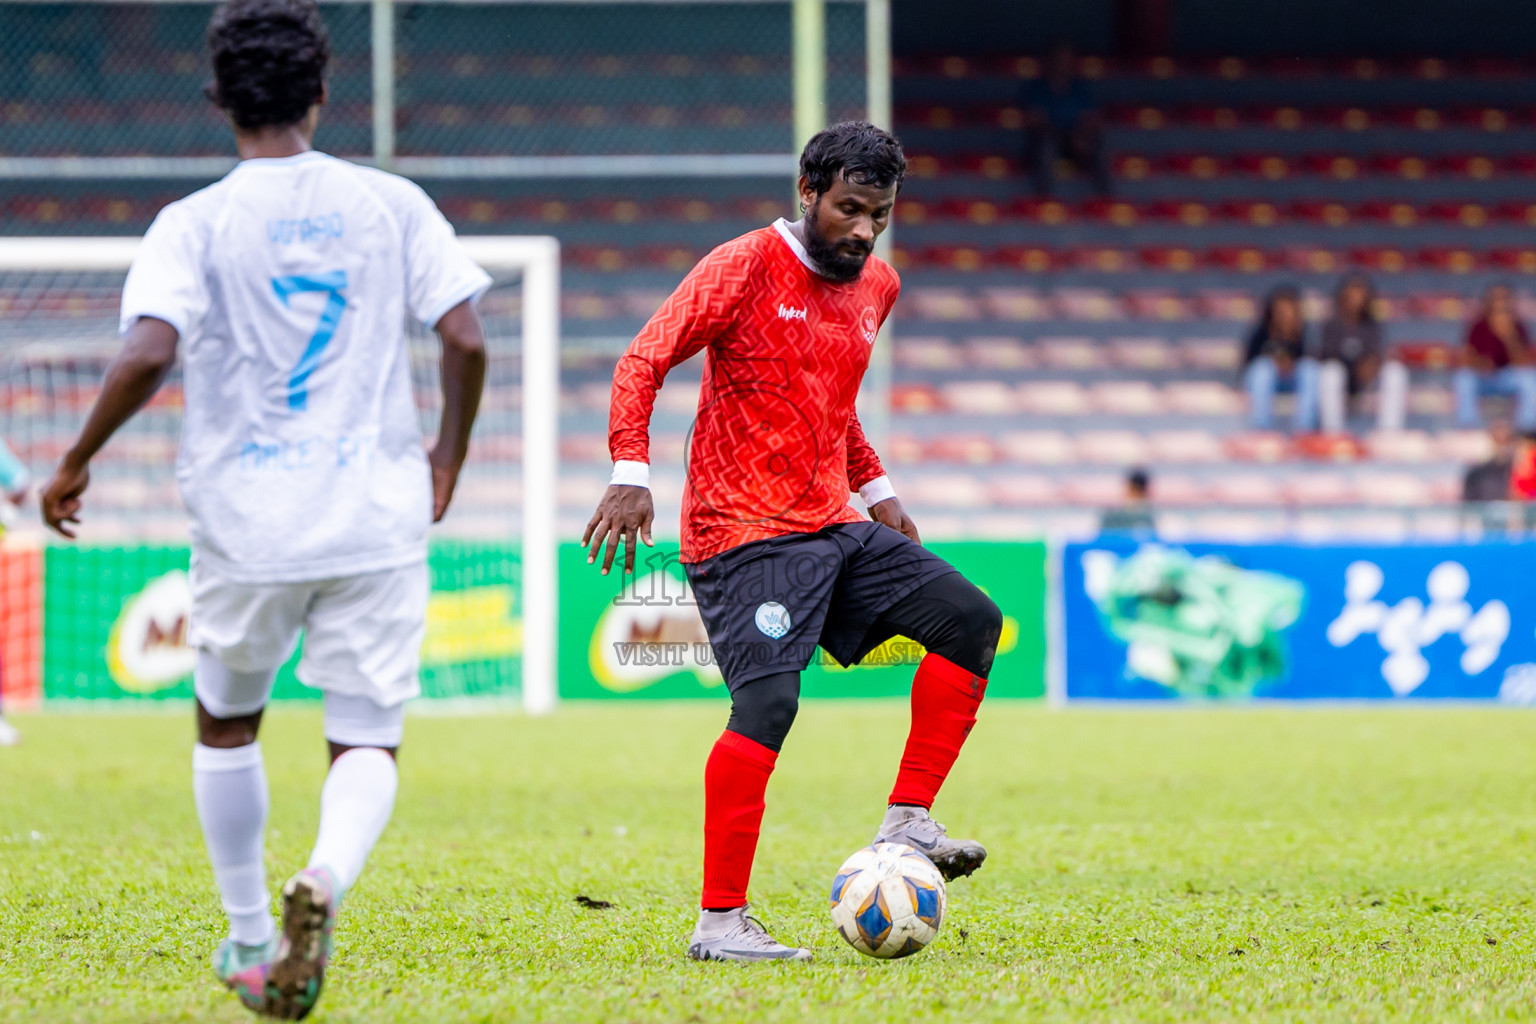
(773, 619)
(869, 324)
(790, 313)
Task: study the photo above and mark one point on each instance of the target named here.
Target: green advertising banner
(115, 624)
(644, 638)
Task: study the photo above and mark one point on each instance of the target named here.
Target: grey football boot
(732, 935)
(955, 858)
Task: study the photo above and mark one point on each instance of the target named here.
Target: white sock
(355, 805)
(230, 788)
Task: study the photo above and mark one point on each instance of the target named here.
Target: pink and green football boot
(297, 973)
(243, 970)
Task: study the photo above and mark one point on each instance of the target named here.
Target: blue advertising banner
(1148, 620)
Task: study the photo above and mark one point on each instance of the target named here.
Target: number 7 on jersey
(334, 284)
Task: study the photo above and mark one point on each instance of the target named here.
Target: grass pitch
(1267, 863)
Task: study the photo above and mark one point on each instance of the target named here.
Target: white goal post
(536, 259)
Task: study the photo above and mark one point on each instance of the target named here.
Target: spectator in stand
(1522, 481)
(1061, 119)
(1277, 359)
(1486, 489)
(1490, 480)
(1352, 356)
(1497, 359)
(1135, 515)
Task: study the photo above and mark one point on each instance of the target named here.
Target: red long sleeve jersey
(776, 447)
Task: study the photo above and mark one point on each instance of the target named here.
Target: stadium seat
(1185, 446)
(1212, 354)
(1384, 487)
(1111, 447)
(1037, 447)
(1317, 488)
(1075, 354)
(1178, 489)
(1023, 489)
(1053, 398)
(924, 353)
(1000, 353)
(1203, 398)
(1126, 398)
(1404, 446)
(972, 449)
(1016, 304)
(980, 397)
(1141, 353)
(1245, 488)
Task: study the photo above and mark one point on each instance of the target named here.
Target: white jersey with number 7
(288, 283)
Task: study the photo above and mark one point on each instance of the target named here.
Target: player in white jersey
(286, 285)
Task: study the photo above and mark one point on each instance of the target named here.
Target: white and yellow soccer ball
(888, 901)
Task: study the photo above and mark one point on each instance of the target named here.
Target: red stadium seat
(915, 399)
(1248, 259)
(1321, 211)
(1328, 447)
(1259, 213)
(970, 449)
(1265, 165)
(1521, 261)
(1174, 258)
(1033, 259)
(1426, 355)
(1380, 259)
(1450, 260)
(1258, 446)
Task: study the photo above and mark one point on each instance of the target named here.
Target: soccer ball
(888, 901)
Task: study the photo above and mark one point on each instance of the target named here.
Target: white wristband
(877, 490)
(628, 473)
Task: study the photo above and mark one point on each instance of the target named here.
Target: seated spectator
(1497, 360)
(1062, 120)
(1485, 490)
(1135, 516)
(1489, 481)
(1351, 356)
(1277, 359)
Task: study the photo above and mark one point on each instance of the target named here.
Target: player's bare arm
(464, 360)
(624, 513)
(148, 353)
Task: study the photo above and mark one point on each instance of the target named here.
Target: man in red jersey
(779, 561)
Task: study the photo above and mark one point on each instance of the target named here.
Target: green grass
(1280, 864)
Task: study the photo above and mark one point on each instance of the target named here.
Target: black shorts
(767, 605)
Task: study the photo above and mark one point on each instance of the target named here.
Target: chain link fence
(471, 79)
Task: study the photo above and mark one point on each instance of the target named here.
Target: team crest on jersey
(869, 324)
(773, 619)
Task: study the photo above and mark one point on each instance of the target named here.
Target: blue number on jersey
(334, 284)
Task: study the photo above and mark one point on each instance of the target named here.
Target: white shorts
(362, 638)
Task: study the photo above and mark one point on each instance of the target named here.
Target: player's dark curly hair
(856, 151)
(269, 59)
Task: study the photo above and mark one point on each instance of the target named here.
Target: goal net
(107, 616)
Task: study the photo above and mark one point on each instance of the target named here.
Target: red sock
(735, 778)
(944, 702)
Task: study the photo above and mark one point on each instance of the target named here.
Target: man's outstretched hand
(625, 512)
(61, 497)
(890, 513)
